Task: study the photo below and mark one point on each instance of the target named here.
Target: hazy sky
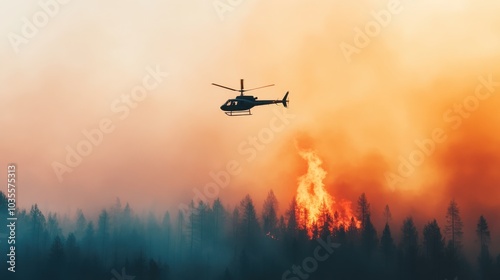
(360, 101)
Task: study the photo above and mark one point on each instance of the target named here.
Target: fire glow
(313, 200)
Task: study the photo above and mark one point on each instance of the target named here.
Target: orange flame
(313, 201)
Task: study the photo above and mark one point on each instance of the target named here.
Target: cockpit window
(231, 103)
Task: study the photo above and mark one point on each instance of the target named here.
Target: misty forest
(211, 241)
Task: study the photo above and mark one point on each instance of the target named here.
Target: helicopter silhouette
(241, 104)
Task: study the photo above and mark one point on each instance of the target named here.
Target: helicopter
(241, 104)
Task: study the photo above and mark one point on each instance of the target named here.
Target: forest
(211, 241)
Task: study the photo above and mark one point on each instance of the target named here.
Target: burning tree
(318, 211)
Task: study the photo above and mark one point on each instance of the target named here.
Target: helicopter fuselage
(241, 105)
(245, 102)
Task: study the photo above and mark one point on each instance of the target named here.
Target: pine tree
(249, 224)
(292, 218)
(72, 251)
(352, 232)
(409, 248)
(219, 218)
(369, 236)
(483, 232)
(57, 258)
(281, 228)
(38, 225)
(181, 224)
(433, 241)
(53, 228)
(127, 214)
(363, 209)
(203, 213)
(3, 201)
(103, 232)
(3, 205)
(433, 248)
(270, 214)
(341, 235)
(57, 254)
(387, 214)
(235, 227)
(88, 239)
(325, 221)
(409, 239)
(454, 227)
(485, 260)
(166, 226)
(152, 229)
(315, 231)
(81, 223)
(326, 225)
(193, 222)
(387, 242)
(336, 223)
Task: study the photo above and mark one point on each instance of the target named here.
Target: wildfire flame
(313, 200)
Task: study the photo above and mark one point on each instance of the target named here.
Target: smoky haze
(360, 116)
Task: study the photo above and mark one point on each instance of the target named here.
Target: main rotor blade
(258, 87)
(225, 87)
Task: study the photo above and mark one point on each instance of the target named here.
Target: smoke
(360, 114)
(364, 116)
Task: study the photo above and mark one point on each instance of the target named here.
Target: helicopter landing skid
(239, 113)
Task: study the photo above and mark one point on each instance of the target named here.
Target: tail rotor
(285, 100)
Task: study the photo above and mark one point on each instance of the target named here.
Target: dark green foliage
(215, 242)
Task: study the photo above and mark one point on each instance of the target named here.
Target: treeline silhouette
(210, 241)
